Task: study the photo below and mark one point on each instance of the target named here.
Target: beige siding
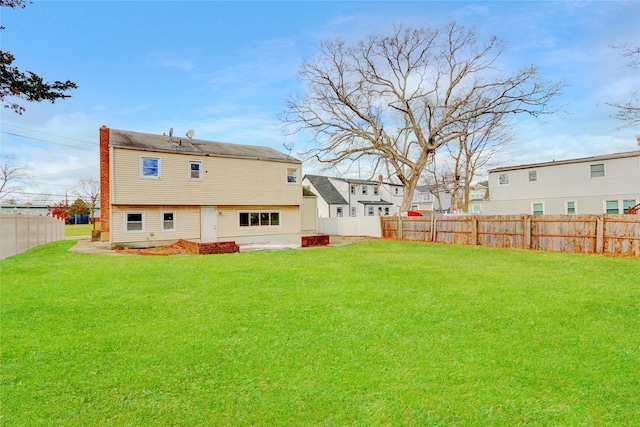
(225, 181)
(308, 214)
(187, 225)
(229, 222)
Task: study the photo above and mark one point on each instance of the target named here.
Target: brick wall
(210, 248)
(105, 195)
(317, 240)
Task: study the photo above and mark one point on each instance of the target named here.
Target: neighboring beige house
(157, 189)
(346, 197)
(590, 185)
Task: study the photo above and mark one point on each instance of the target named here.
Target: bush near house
(377, 333)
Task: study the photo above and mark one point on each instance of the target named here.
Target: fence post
(474, 231)
(600, 235)
(400, 227)
(434, 225)
(526, 229)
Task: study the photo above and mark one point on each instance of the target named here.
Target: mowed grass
(378, 333)
(76, 230)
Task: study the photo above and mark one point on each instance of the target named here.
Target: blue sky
(225, 68)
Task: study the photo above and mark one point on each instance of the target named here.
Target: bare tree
(396, 99)
(88, 190)
(15, 176)
(629, 112)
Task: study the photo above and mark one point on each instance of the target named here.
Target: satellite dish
(190, 133)
(288, 146)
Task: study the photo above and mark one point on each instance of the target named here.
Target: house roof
(162, 143)
(569, 161)
(326, 189)
(375, 202)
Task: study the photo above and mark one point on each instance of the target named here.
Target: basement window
(134, 222)
(168, 221)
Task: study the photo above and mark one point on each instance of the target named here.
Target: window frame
(255, 218)
(370, 211)
(503, 179)
(158, 168)
(376, 190)
(162, 221)
(292, 178)
(126, 222)
(596, 173)
(566, 207)
(606, 207)
(365, 190)
(339, 212)
(533, 208)
(354, 211)
(625, 209)
(195, 162)
(533, 176)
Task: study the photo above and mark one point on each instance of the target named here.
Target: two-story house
(589, 185)
(478, 195)
(431, 198)
(342, 197)
(157, 189)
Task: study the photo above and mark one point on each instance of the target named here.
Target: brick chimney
(105, 194)
(380, 178)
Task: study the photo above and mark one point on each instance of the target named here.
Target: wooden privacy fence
(588, 234)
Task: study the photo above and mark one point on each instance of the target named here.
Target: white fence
(19, 233)
(351, 226)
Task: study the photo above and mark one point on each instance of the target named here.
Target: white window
(364, 190)
(533, 175)
(386, 211)
(537, 208)
(259, 219)
(168, 221)
(570, 207)
(503, 179)
(353, 189)
(292, 175)
(611, 207)
(628, 204)
(134, 222)
(476, 208)
(397, 191)
(370, 211)
(195, 171)
(149, 167)
(339, 212)
(353, 211)
(597, 170)
(375, 190)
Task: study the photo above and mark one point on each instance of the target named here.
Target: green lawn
(379, 333)
(76, 230)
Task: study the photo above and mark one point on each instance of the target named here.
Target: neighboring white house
(590, 185)
(425, 198)
(343, 197)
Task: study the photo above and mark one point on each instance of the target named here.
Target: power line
(51, 134)
(48, 142)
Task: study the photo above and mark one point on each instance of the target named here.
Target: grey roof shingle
(162, 143)
(326, 189)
